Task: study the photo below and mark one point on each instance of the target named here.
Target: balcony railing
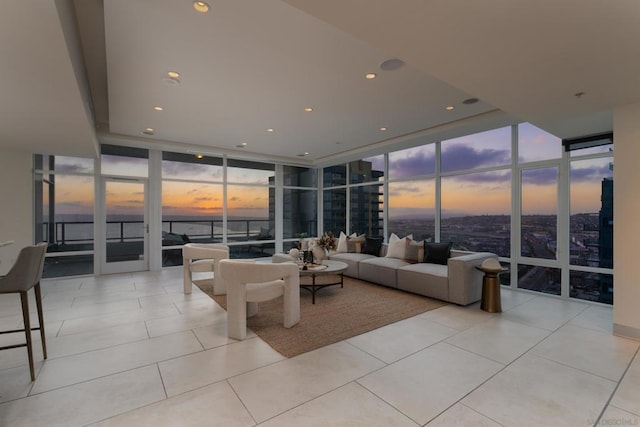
(80, 233)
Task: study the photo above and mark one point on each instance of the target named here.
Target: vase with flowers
(323, 245)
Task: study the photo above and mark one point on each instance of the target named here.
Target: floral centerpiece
(327, 241)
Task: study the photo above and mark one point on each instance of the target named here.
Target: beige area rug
(338, 314)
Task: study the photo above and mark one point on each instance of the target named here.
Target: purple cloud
(484, 177)
(595, 173)
(179, 169)
(543, 176)
(457, 157)
(72, 168)
(420, 163)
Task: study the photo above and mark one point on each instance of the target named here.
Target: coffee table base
(313, 287)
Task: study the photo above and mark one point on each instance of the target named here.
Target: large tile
(627, 396)
(545, 312)
(425, 384)
(350, 405)
(214, 405)
(91, 323)
(85, 403)
(89, 310)
(94, 340)
(183, 322)
(206, 367)
(276, 388)
(510, 298)
(117, 296)
(596, 317)
(87, 366)
(175, 298)
(461, 416)
(534, 391)
(499, 339)
(16, 382)
(215, 334)
(456, 317)
(400, 339)
(596, 352)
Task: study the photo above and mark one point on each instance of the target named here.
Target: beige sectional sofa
(458, 282)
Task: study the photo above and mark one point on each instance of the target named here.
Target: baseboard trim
(626, 331)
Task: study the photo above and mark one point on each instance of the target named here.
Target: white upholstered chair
(203, 258)
(249, 283)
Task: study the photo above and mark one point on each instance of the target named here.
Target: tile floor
(132, 350)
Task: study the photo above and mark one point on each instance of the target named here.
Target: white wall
(16, 204)
(626, 219)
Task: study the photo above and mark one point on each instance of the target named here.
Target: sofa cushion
(425, 279)
(372, 245)
(437, 253)
(381, 270)
(352, 260)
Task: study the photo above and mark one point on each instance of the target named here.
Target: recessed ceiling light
(270, 130)
(370, 76)
(199, 156)
(173, 74)
(158, 108)
(383, 128)
(306, 153)
(241, 145)
(391, 64)
(148, 131)
(449, 107)
(308, 109)
(201, 6)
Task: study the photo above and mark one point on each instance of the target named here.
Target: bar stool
(24, 275)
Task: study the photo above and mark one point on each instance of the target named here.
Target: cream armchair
(202, 258)
(249, 283)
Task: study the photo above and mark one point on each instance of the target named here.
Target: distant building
(365, 201)
(605, 253)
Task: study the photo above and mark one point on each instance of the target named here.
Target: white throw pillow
(397, 246)
(342, 243)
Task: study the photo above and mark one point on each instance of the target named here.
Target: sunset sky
(411, 187)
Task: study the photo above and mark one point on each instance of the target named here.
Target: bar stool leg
(27, 330)
(36, 288)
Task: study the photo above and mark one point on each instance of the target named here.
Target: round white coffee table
(332, 267)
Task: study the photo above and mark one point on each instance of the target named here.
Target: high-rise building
(605, 253)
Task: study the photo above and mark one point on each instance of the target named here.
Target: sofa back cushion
(372, 245)
(397, 246)
(437, 253)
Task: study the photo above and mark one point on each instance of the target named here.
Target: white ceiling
(249, 65)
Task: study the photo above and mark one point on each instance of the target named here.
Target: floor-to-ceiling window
(299, 204)
(64, 213)
(546, 212)
(475, 188)
(192, 202)
(591, 223)
(411, 193)
(366, 196)
(334, 199)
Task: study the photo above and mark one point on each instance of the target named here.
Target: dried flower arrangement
(327, 241)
